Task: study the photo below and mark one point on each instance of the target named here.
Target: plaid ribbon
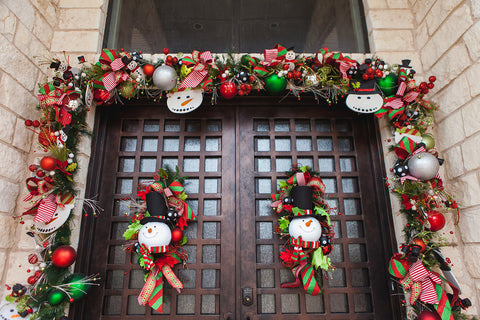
(113, 62)
(200, 63)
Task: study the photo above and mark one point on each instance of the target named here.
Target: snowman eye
(178, 98)
(368, 98)
(188, 97)
(360, 98)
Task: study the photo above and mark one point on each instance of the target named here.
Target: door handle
(247, 296)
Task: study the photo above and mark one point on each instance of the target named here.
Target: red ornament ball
(177, 235)
(432, 78)
(48, 163)
(148, 70)
(32, 167)
(228, 89)
(40, 173)
(32, 280)
(64, 256)
(32, 258)
(36, 123)
(436, 220)
(28, 123)
(419, 242)
(166, 50)
(428, 315)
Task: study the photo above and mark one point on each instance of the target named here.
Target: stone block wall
(30, 31)
(442, 38)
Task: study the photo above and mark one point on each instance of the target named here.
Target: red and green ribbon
(200, 63)
(304, 275)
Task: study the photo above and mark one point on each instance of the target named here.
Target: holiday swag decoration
(305, 222)
(155, 232)
(369, 86)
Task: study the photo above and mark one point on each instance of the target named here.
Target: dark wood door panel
(339, 146)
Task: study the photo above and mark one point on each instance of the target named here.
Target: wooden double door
(234, 157)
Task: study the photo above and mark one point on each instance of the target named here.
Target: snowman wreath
(156, 234)
(305, 221)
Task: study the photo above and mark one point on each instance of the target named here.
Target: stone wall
(441, 37)
(44, 29)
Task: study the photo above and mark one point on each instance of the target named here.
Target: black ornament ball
(243, 76)
(412, 114)
(324, 240)
(400, 169)
(353, 71)
(172, 214)
(287, 200)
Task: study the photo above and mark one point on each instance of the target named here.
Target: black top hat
(302, 197)
(366, 87)
(406, 63)
(156, 206)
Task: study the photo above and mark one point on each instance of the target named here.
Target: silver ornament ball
(165, 78)
(423, 166)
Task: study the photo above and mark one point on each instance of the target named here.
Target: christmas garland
(370, 86)
(305, 222)
(156, 233)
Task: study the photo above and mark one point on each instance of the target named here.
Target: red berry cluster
(424, 86)
(169, 60)
(295, 74)
(244, 89)
(32, 123)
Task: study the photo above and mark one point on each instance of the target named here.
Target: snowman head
(8, 311)
(365, 99)
(155, 234)
(307, 227)
(184, 101)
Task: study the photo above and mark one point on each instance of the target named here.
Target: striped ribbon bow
(200, 63)
(51, 96)
(272, 57)
(325, 56)
(395, 106)
(152, 291)
(113, 62)
(304, 273)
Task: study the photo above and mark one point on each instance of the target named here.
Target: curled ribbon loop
(113, 62)
(200, 63)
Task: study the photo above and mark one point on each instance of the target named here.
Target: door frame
(99, 152)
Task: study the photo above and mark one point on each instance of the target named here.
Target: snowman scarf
(147, 254)
(304, 272)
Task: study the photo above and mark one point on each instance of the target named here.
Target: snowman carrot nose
(308, 223)
(149, 230)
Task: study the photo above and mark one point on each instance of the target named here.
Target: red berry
(249, 87)
(430, 85)
(298, 74)
(169, 59)
(241, 92)
(243, 86)
(378, 73)
(432, 78)
(175, 60)
(36, 123)
(425, 91)
(40, 173)
(286, 66)
(290, 75)
(251, 78)
(423, 86)
(365, 76)
(32, 167)
(166, 51)
(28, 123)
(370, 71)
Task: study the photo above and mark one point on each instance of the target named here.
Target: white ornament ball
(154, 234)
(423, 166)
(165, 77)
(307, 227)
(311, 80)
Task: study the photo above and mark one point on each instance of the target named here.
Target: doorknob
(247, 296)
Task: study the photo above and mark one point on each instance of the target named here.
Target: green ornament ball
(388, 85)
(275, 84)
(77, 289)
(428, 140)
(56, 297)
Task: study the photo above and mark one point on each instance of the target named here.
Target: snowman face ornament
(307, 227)
(155, 234)
(8, 311)
(58, 219)
(364, 102)
(184, 101)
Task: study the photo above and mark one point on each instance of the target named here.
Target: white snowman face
(58, 219)
(364, 103)
(184, 101)
(290, 55)
(155, 234)
(307, 227)
(8, 311)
